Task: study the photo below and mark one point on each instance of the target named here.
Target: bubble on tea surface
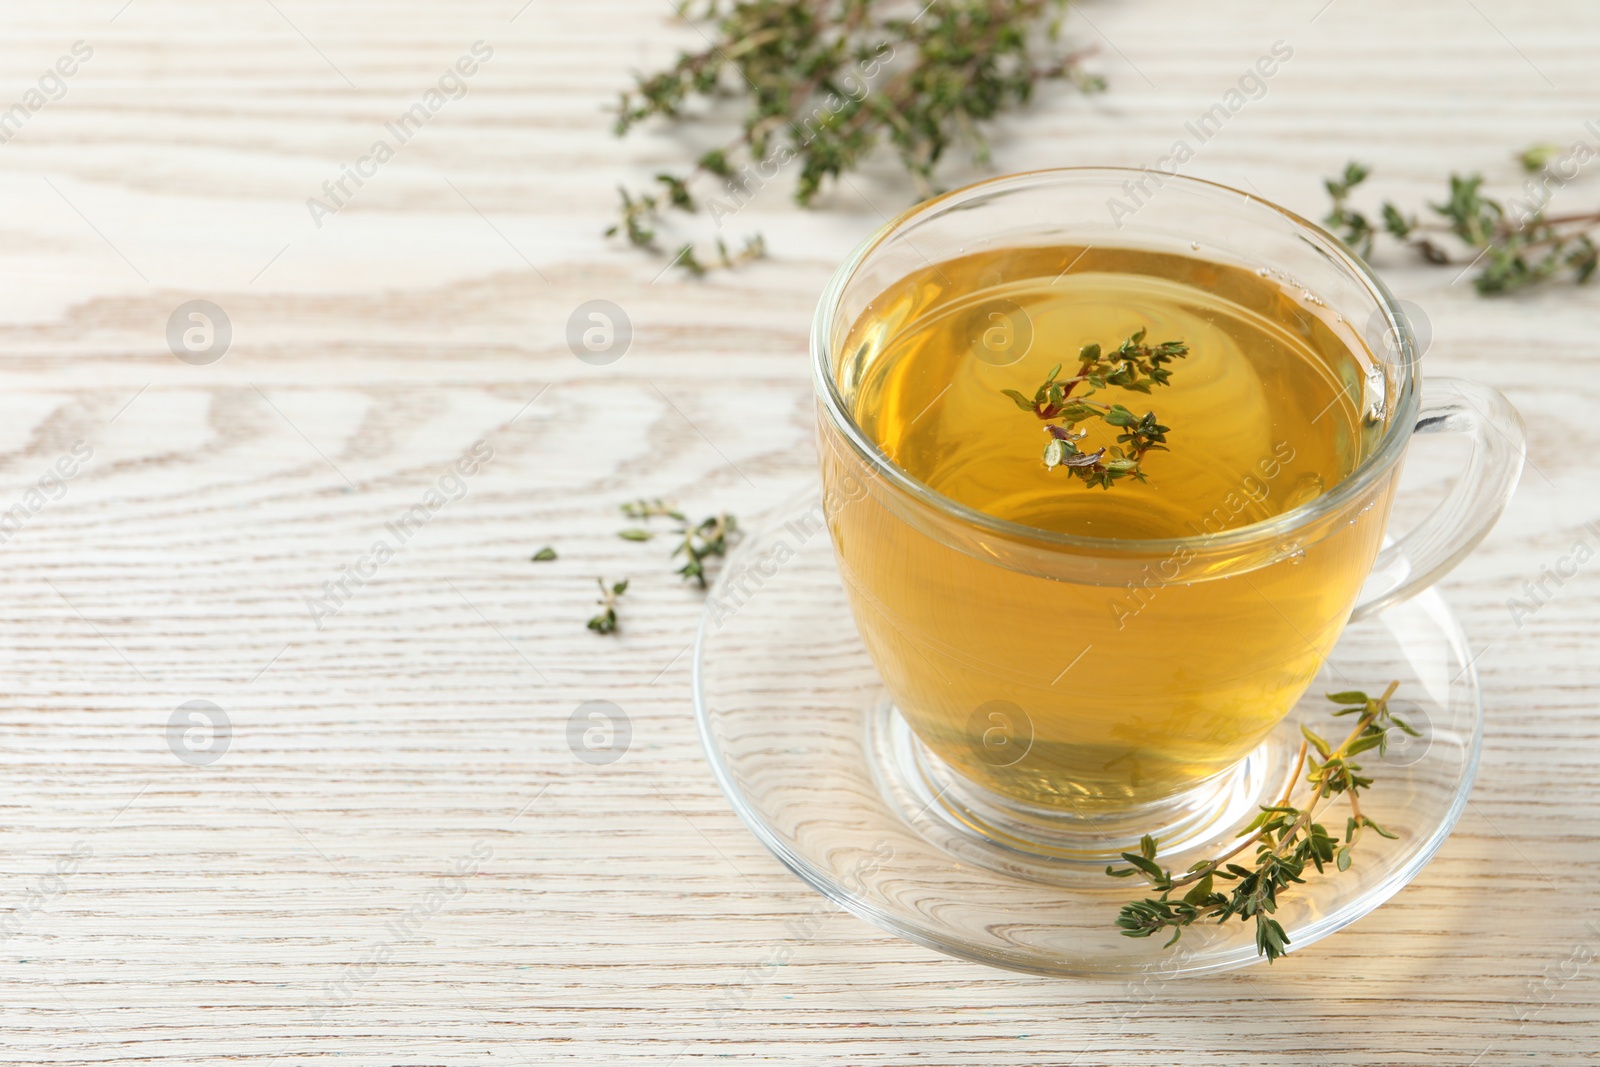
(1303, 490)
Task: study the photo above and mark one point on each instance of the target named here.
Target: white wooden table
(292, 902)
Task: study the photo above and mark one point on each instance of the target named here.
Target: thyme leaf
(697, 542)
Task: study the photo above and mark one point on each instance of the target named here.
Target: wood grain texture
(228, 913)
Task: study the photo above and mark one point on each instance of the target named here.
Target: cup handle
(1499, 443)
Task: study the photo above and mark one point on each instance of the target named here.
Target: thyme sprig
(825, 83)
(606, 621)
(1132, 365)
(1517, 248)
(700, 543)
(1287, 839)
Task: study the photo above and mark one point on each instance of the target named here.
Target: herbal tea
(1137, 395)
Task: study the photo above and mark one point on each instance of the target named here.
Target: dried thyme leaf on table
(606, 621)
(645, 510)
(1517, 243)
(1133, 365)
(1287, 840)
(711, 537)
(698, 543)
(544, 555)
(826, 83)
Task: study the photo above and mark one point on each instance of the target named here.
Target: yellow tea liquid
(1100, 694)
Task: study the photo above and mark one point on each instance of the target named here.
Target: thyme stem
(1212, 865)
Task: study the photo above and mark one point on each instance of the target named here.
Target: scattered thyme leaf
(698, 542)
(1287, 840)
(702, 542)
(1132, 365)
(544, 555)
(1535, 158)
(649, 509)
(606, 621)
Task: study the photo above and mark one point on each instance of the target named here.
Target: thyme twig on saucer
(1133, 365)
(1287, 840)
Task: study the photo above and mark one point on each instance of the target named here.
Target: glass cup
(1044, 716)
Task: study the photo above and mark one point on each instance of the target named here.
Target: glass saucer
(814, 758)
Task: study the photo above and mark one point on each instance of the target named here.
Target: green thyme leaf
(710, 539)
(606, 621)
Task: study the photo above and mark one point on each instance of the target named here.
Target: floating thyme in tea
(825, 84)
(1288, 839)
(1133, 365)
(1516, 242)
(606, 621)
